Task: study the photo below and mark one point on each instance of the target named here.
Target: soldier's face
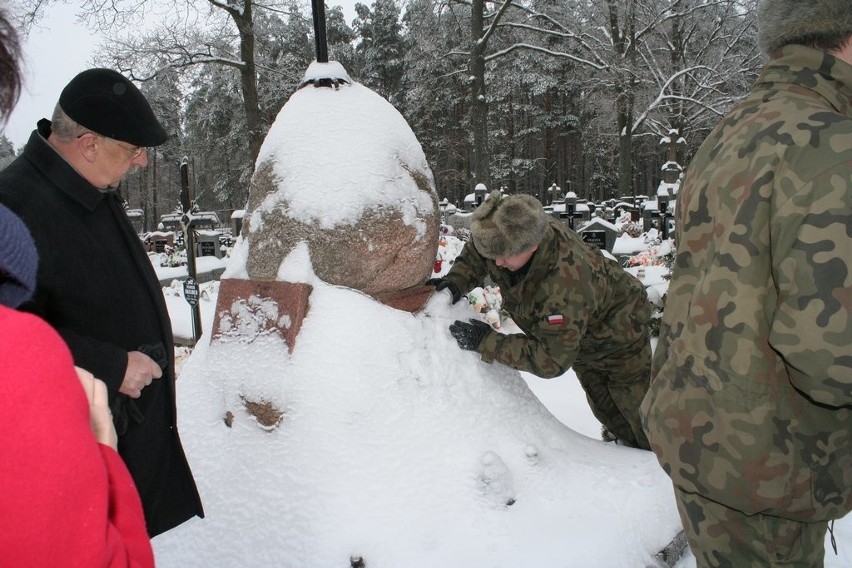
(517, 261)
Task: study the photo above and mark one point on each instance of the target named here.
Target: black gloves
(125, 409)
(469, 335)
(441, 283)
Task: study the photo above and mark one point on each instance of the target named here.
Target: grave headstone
(599, 233)
(158, 241)
(207, 244)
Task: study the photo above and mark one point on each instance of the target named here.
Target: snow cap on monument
(341, 170)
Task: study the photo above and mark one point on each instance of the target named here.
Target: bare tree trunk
(244, 20)
(479, 104)
(154, 193)
(510, 135)
(625, 48)
(625, 148)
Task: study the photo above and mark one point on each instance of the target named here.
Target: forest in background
(514, 94)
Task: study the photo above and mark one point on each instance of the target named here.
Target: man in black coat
(95, 283)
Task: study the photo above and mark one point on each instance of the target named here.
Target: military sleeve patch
(555, 319)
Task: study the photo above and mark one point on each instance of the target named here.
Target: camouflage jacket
(575, 306)
(752, 378)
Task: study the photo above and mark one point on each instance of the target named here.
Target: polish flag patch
(556, 319)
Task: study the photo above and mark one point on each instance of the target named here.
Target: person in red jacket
(66, 497)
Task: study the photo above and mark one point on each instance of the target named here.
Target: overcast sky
(55, 52)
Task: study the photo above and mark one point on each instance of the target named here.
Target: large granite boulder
(342, 171)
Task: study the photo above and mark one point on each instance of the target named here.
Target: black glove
(469, 335)
(157, 352)
(124, 409)
(442, 283)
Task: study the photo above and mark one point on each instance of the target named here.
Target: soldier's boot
(608, 436)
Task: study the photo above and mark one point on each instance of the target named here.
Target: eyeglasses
(133, 151)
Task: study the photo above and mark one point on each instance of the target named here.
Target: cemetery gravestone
(599, 233)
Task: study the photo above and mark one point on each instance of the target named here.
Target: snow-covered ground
(394, 445)
(579, 502)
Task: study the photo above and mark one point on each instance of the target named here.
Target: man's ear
(88, 146)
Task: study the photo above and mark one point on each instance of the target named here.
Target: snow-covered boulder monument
(328, 429)
(341, 170)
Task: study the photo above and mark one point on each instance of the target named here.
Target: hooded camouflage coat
(752, 383)
(575, 306)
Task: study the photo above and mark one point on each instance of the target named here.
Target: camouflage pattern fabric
(751, 388)
(576, 308)
(721, 537)
(615, 390)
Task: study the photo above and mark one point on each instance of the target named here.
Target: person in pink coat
(66, 497)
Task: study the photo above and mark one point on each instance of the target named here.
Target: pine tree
(7, 152)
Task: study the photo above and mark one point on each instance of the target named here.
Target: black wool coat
(96, 286)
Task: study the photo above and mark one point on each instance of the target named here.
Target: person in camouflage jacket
(576, 308)
(750, 405)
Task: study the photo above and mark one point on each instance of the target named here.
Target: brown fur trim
(507, 225)
(782, 22)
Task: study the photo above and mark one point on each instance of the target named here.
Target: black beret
(106, 102)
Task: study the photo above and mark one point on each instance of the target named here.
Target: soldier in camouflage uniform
(575, 306)
(750, 406)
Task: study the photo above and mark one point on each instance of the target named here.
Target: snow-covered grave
(372, 439)
(562, 396)
(397, 447)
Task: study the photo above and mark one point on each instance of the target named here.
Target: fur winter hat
(781, 22)
(18, 260)
(507, 225)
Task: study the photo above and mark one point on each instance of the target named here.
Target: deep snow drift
(398, 447)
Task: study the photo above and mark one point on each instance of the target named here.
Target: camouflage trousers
(721, 537)
(615, 389)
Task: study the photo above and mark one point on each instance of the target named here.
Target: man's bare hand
(141, 371)
(100, 417)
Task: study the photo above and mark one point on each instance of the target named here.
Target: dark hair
(835, 41)
(10, 70)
